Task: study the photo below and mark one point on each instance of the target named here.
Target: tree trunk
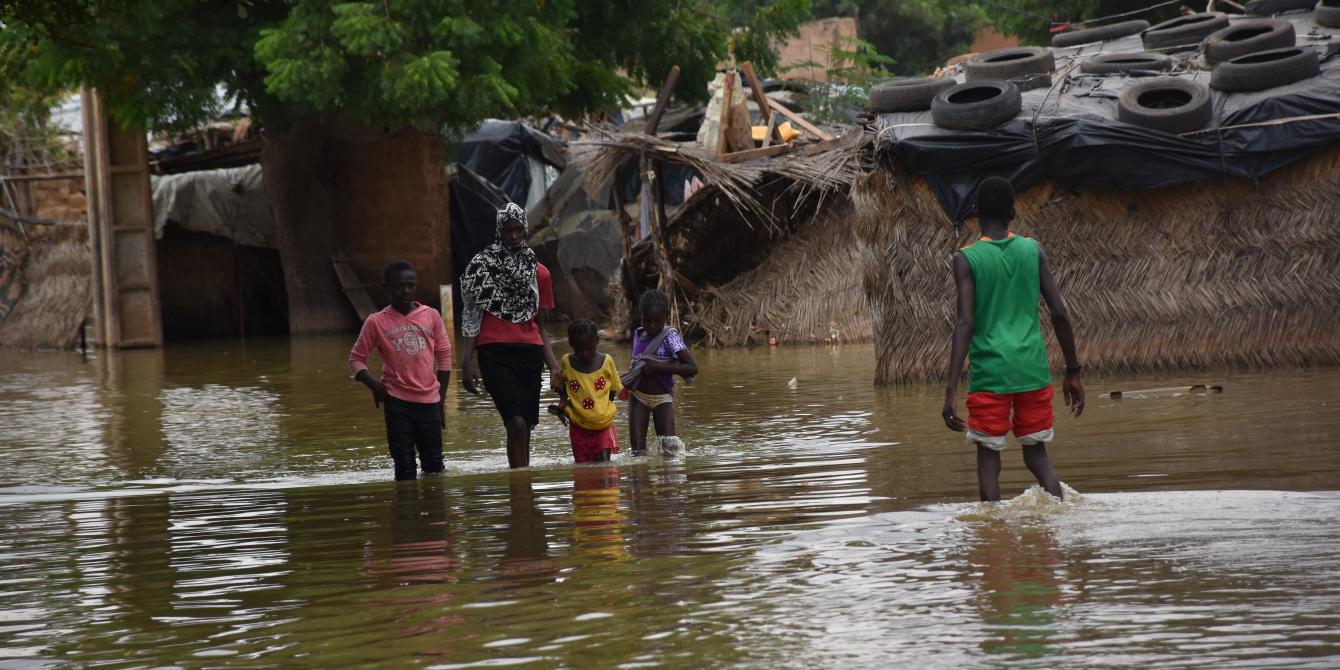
(358, 193)
(298, 179)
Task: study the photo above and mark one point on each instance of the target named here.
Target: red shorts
(989, 417)
(587, 445)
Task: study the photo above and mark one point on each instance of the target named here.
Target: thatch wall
(1218, 273)
(57, 289)
(806, 291)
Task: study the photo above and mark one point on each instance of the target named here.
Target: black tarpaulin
(499, 151)
(1070, 134)
(474, 208)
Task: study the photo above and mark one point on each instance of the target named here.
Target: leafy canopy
(162, 63)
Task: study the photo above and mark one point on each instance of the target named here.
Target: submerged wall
(1217, 273)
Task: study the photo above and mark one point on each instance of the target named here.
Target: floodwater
(227, 504)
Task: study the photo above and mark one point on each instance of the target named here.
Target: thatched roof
(815, 169)
(1216, 273)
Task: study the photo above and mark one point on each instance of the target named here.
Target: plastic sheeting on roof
(228, 202)
(1070, 134)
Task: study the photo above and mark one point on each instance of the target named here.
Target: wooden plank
(772, 128)
(120, 216)
(751, 154)
(43, 177)
(662, 100)
(448, 308)
(761, 99)
(727, 95)
(799, 121)
(357, 295)
(1194, 388)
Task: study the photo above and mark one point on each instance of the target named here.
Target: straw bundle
(56, 290)
(1218, 273)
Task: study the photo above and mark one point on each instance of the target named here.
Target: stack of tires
(1257, 54)
(1075, 38)
(907, 95)
(1327, 14)
(1183, 32)
(1027, 67)
(1167, 104)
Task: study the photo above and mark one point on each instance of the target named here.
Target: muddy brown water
(226, 504)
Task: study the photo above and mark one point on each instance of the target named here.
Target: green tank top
(1007, 354)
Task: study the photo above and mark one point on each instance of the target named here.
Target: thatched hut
(1215, 248)
(761, 250)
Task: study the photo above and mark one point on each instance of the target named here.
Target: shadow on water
(227, 504)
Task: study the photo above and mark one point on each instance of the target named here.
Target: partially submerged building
(1212, 246)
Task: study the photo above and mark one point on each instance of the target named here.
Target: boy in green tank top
(999, 279)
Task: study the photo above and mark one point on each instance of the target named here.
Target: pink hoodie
(413, 348)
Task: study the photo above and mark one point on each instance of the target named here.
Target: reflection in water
(596, 518)
(226, 505)
(525, 557)
(130, 383)
(1020, 591)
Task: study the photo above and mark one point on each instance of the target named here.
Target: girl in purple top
(651, 380)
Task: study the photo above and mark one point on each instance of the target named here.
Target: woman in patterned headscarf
(505, 290)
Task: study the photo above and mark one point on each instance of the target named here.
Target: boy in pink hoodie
(416, 368)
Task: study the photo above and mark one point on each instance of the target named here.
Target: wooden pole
(662, 100)
(772, 128)
(761, 99)
(630, 284)
(727, 96)
(667, 271)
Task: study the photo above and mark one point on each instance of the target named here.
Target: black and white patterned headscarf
(500, 281)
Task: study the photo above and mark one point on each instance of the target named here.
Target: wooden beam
(727, 97)
(761, 100)
(43, 177)
(662, 100)
(799, 121)
(751, 154)
(772, 127)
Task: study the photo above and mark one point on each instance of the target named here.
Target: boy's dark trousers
(411, 424)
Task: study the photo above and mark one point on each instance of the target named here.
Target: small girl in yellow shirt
(590, 385)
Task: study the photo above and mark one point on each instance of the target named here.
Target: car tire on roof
(1266, 69)
(907, 95)
(1327, 16)
(1246, 37)
(1099, 34)
(1271, 7)
(1126, 63)
(976, 105)
(1183, 31)
(1015, 63)
(1166, 104)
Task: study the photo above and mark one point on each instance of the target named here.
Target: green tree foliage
(919, 35)
(390, 63)
(1033, 20)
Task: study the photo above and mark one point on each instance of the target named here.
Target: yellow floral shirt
(589, 404)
